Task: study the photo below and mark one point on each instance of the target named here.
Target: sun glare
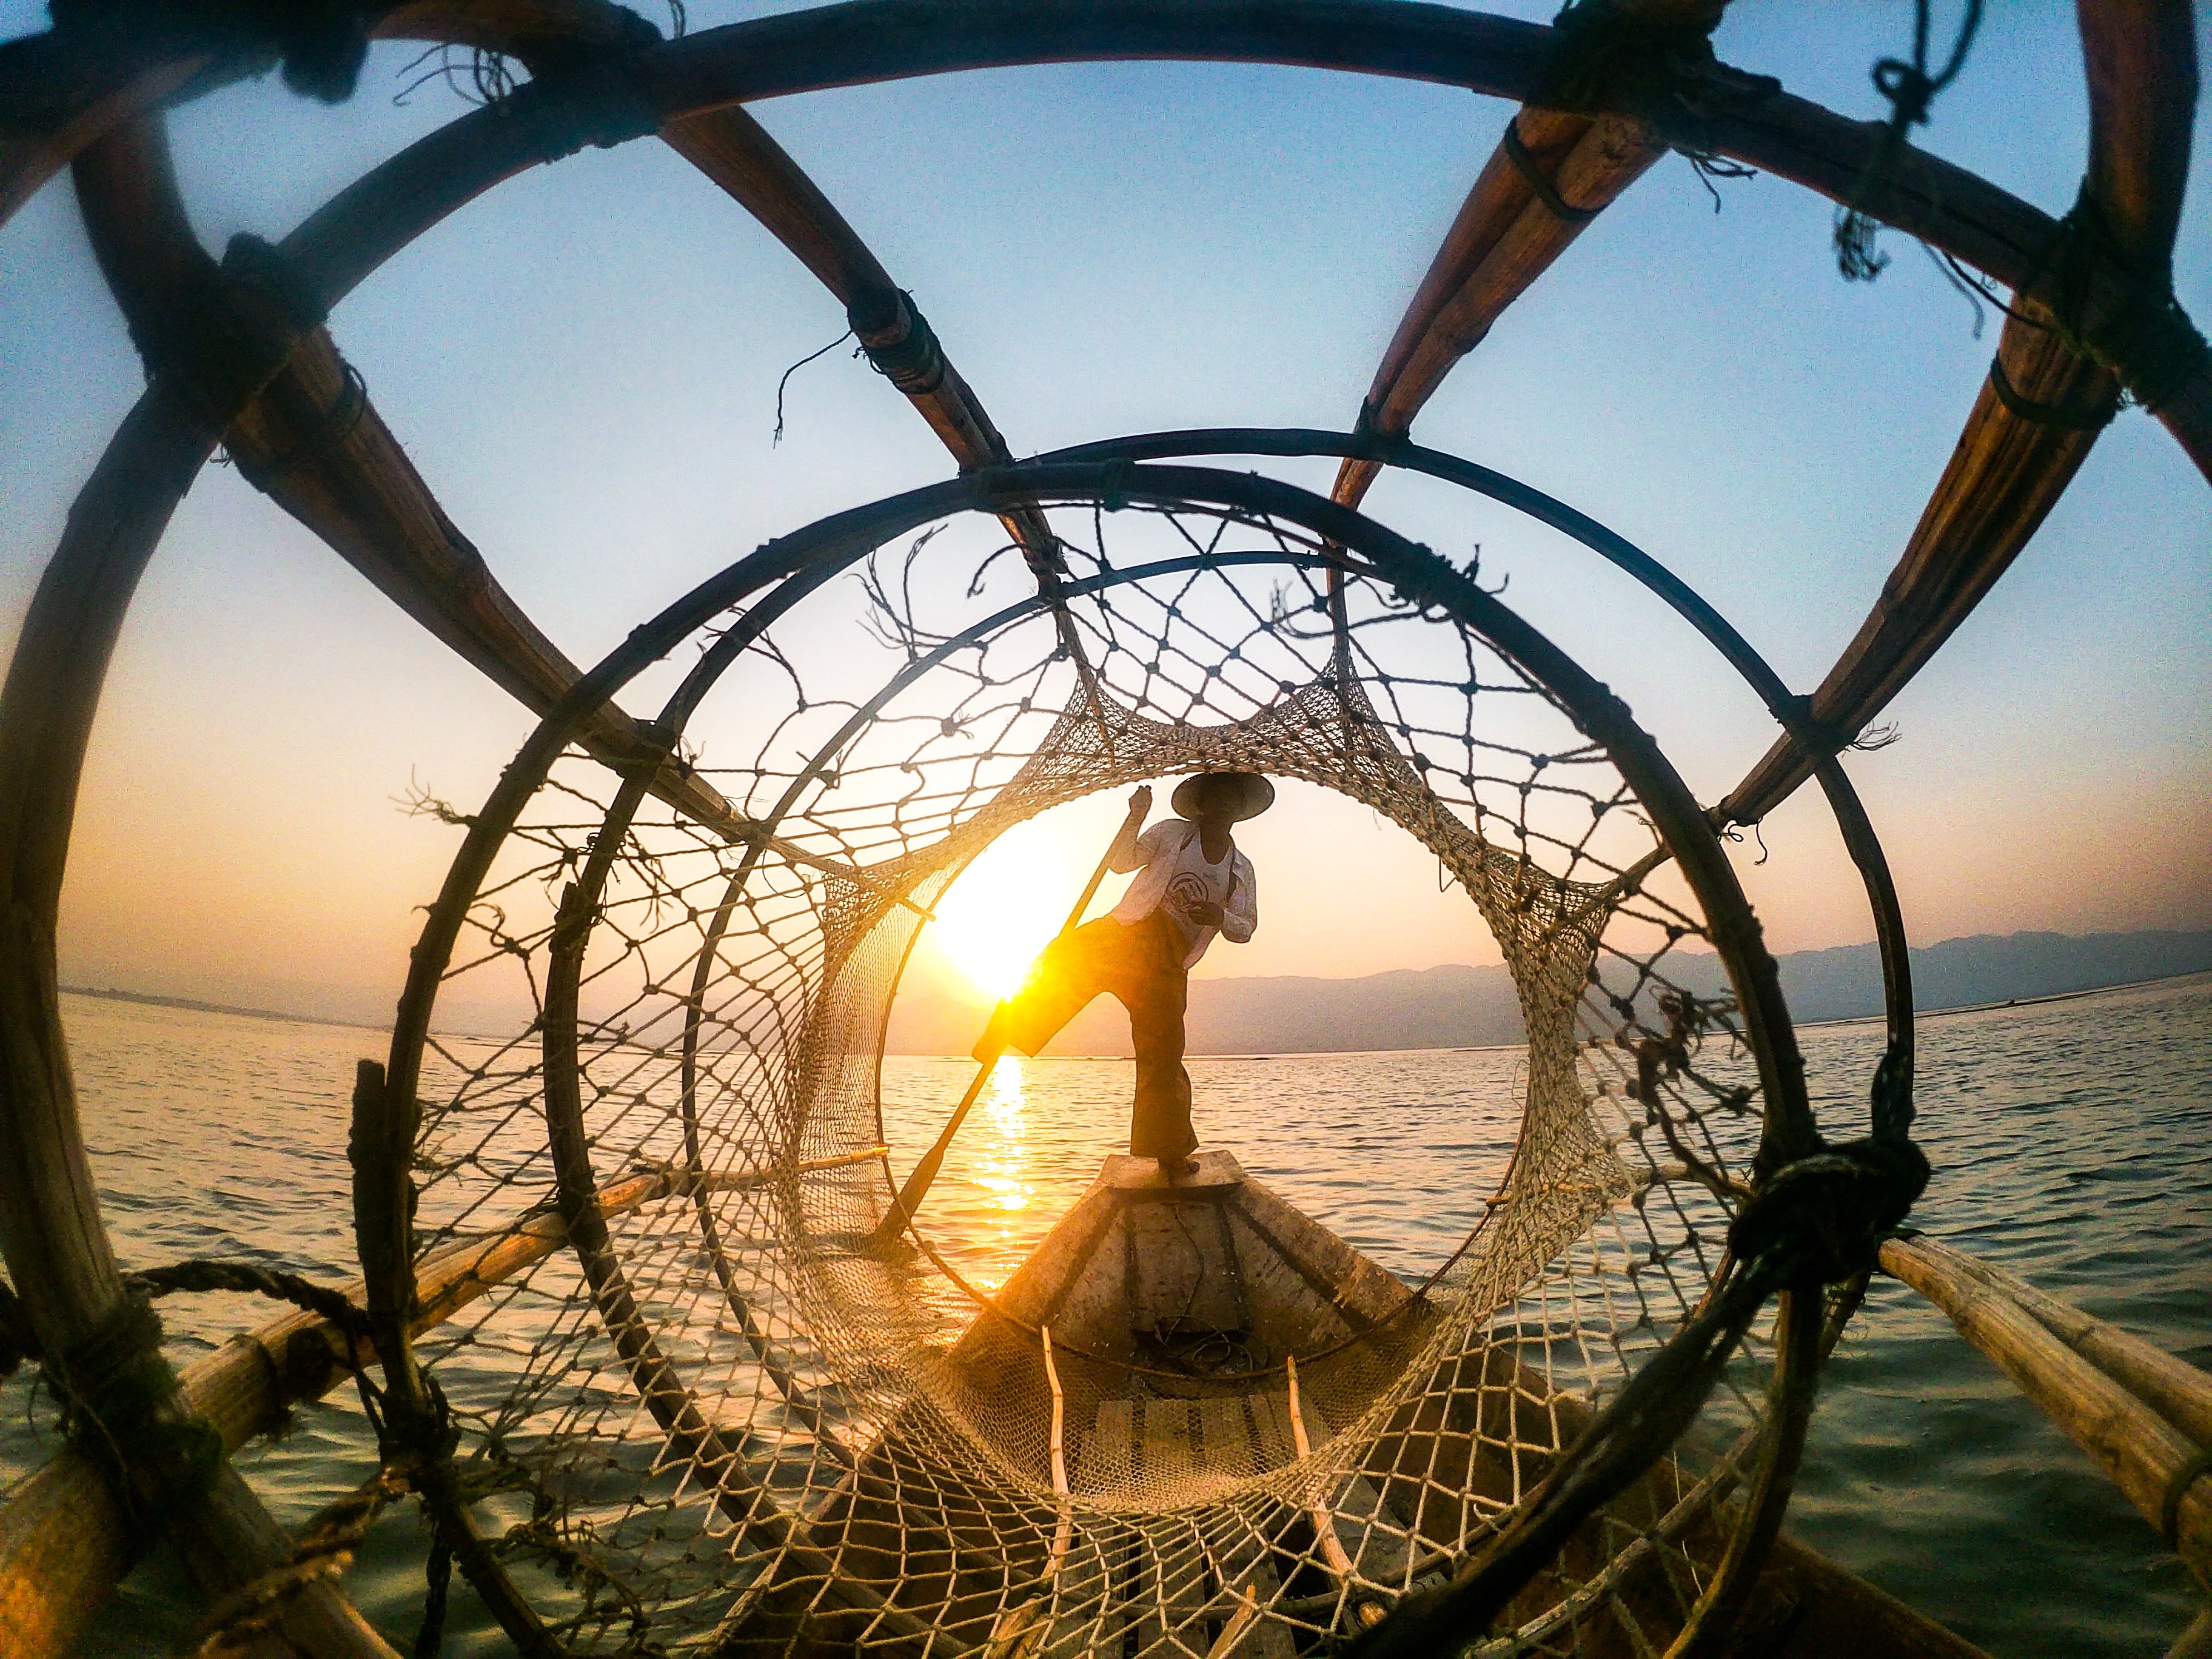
(1003, 910)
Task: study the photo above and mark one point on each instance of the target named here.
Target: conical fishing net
(716, 1417)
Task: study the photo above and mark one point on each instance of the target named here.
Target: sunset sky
(583, 364)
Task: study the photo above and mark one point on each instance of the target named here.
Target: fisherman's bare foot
(1175, 1168)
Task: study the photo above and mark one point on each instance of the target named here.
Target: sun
(1004, 909)
(1010, 903)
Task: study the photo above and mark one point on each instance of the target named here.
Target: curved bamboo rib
(2010, 468)
(63, 1544)
(50, 1225)
(871, 40)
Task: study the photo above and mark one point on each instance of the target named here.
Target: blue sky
(583, 364)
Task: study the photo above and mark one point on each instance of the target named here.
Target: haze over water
(2072, 1142)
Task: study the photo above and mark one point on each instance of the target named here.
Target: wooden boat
(1176, 1310)
(239, 353)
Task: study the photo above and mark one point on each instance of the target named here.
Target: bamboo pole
(925, 1172)
(1246, 1615)
(56, 1244)
(2140, 1452)
(1334, 1556)
(738, 154)
(2175, 1389)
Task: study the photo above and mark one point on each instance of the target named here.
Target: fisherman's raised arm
(1125, 854)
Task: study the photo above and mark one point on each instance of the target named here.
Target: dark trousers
(1140, 964)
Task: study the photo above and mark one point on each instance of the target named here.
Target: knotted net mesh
(718, 1418)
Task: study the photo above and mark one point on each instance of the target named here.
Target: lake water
(2072, 1141)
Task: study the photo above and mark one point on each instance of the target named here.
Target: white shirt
(1174, 875)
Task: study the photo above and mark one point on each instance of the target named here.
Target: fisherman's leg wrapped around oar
(1140, 964)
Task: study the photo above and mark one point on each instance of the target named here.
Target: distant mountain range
(1458, 1007)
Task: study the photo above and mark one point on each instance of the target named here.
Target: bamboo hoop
(63, 1537)
(2124, 62)
(793, 567)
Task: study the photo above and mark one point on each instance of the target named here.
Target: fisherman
(1192, 883)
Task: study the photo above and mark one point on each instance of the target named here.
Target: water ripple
(2069, 1141)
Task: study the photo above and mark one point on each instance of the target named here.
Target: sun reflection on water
(1002, 1166)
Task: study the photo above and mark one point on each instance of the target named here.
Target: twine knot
(900, 344)
(1603, 55)
(1821, 1219)
(1911, 89)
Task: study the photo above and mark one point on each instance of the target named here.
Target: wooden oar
(918, 1184)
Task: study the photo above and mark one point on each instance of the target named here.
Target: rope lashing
(1821, 1219)
(112, 1384)
(1911, 90)
(1606, 56)
(2169, 1509)
(121, 1406)
(230, 336)
(325, 1549)
(1548, 192)
(2053, 415)
(616, 109)
(1892, 1094)
(898, 340)
(247, 1278)
(2106, 308)
(334, 425)
(1817, 1221)
(1818, 736)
